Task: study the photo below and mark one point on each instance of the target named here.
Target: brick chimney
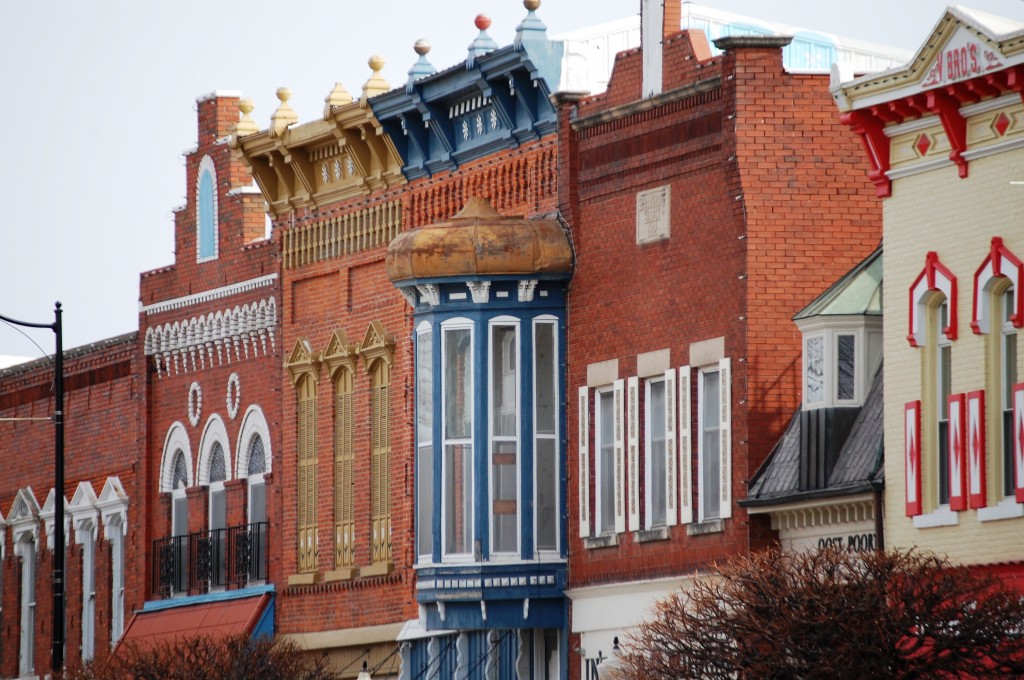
(658, 20)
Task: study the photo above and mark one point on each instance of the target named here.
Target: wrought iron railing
(210, 560)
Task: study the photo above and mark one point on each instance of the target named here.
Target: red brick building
(210, 342)
(704, 217)
(102, 495)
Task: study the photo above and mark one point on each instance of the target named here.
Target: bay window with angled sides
(490, 415)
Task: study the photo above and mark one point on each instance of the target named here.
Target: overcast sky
(99, 103)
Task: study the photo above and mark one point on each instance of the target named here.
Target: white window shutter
(619, 443)
(725, 393)
(671, 476)
(633, 438)
(584, 468)
(978, 492)
(684, 440)
(1018, 441)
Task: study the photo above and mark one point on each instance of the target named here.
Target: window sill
(605, 541)
(377, 569)
(1008, 508)
(341, 574)
(308, 578)
(708, 526)
(941, 516)
(652, 534)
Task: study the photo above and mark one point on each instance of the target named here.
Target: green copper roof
(859, 292)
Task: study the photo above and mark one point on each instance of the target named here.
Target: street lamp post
(57, 645)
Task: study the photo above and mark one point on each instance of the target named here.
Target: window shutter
(633, 408)
(583, 440)
(344, 531)
(685, 452)
(306, 478)
(976, 448)
(380, 487)
(1018, 440)
(957, 454)
(671, 477)
(619, 444)
(725, 396)
(912, 456)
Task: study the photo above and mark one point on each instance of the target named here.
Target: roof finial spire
(531, 28)
(483, 42)
(376, 84)
(245, 126)
(422, 67)
(339, 96)
(285, 115)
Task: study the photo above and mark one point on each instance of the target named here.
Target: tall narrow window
(26, 550)
(344, 458)
(943, 384)
(545, 424)
(655, 444)
(846, 361)
(709, 464)
(88, 594)
(307, 459)
(504, 400)
(179, 525)
(256, 510)
(206, 210)
(115, 534)
(380, 464)
(604, 432)
(425, 444)
(218, 514)
(1007, 377)
(458, 440)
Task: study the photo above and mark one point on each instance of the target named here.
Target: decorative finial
(339, 96)
(422, 67)
(531, 28)
(246, 126)
(285, 115)
(483, 43)
(376, 84)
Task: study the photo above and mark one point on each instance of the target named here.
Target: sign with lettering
(963, 57)
(852, 543)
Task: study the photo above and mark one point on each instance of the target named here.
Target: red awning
(211, 620)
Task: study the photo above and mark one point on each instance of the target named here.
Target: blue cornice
(495, 101)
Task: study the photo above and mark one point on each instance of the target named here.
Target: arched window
(218, 516)
(206, 211)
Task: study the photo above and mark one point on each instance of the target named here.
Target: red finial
(482, 21)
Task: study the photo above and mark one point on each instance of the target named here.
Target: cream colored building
(945, 138)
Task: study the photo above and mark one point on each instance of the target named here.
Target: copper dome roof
(478, 241)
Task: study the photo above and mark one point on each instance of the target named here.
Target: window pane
(814, 353)
(218, 470)
(710, 458)
(656, 454)
(547, 495)
(425, 449)
(606, 451)
(458, 499)
(1009, 378)
(459, 384)
(503, 381)
(544, 362)
(845, 365)
(206, 216)
(257, 457)
(504, 480)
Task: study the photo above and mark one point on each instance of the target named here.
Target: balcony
(207, 561)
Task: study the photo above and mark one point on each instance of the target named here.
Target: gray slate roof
(858, 466)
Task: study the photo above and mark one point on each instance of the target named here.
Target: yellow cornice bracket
(246, 125)
(285, 115)
(339, 96)
(376, 84)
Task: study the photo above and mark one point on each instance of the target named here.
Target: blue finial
(422, 67)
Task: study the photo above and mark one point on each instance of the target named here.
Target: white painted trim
(1007, 508)
(253, 423)
(213, 433)
(941, 516)
(208, 295)
(177, 438)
